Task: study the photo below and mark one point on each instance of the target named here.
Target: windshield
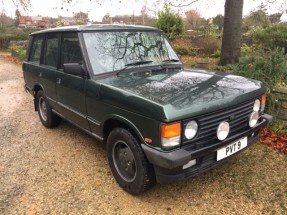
(113, 51)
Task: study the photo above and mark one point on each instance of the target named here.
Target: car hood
(187, 92)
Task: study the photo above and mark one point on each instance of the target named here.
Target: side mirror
(74, 69)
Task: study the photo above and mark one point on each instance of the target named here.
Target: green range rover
(126, 86)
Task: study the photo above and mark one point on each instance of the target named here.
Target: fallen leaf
(274, 140)
(23, 199)
(31, 211)
(13, 60)
(125, 204)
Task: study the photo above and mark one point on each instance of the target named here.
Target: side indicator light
(263, 99)
(148, 140)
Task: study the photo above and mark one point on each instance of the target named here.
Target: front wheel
(128, 163)
(46, 115)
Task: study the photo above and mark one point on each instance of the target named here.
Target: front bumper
(169, 165)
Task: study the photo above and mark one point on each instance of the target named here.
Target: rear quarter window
(35, 53)
(50, 57)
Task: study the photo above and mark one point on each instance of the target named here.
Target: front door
(71, 95)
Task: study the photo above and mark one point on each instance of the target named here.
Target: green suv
(126, 86)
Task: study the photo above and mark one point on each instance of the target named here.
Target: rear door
(40, 67)
(49, 66)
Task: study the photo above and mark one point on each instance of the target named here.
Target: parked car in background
(126, 86)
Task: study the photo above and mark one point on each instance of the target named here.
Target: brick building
(33, 21)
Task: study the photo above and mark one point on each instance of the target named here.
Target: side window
(71, 51)
(35, 53)
(51, 50)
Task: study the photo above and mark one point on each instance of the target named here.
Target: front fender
(123, 120)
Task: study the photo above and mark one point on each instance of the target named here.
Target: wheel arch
(36, 89)
(115, 121)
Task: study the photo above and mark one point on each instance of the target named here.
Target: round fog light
(254, 116)
(191, 129)
(223, 130)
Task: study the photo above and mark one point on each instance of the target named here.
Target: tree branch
(15, 4)
(183, 5)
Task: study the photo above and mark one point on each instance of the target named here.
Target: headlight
(191, 129)
(254, 116)
(223, 130)
(256, 106)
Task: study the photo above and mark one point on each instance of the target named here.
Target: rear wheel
(46, 115)
(128, 163)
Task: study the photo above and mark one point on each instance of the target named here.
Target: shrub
(269, 67)
(245, 50)
(182, 41)
(13, 34)
(7, 38)
(170, 22)
(21, 54)
(18, 51)
(272, 37)
(216, 54)
(209, 45)
(4, 42)
(182, 50)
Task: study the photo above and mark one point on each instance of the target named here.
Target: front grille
(237, 117)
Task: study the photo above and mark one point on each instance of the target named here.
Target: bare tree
(144, 12)
(192, 18)
(22, 4)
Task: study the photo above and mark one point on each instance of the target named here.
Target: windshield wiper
(139, 63)
(134, 64)
(170, 60)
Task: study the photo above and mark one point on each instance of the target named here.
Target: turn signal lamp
(263, 102)
(170, 134)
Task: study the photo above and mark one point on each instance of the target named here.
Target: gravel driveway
(65, 171)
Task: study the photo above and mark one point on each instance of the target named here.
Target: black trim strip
(72, 110)
(93, 121)
(85, 130)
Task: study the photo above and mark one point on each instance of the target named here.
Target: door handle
(58, 80)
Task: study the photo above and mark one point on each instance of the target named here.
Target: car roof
(98, 27)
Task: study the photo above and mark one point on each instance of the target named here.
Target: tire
(128, 163)
(47, 117)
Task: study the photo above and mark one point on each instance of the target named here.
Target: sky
(98, 8)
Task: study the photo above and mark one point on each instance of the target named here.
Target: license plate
(231, 148)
